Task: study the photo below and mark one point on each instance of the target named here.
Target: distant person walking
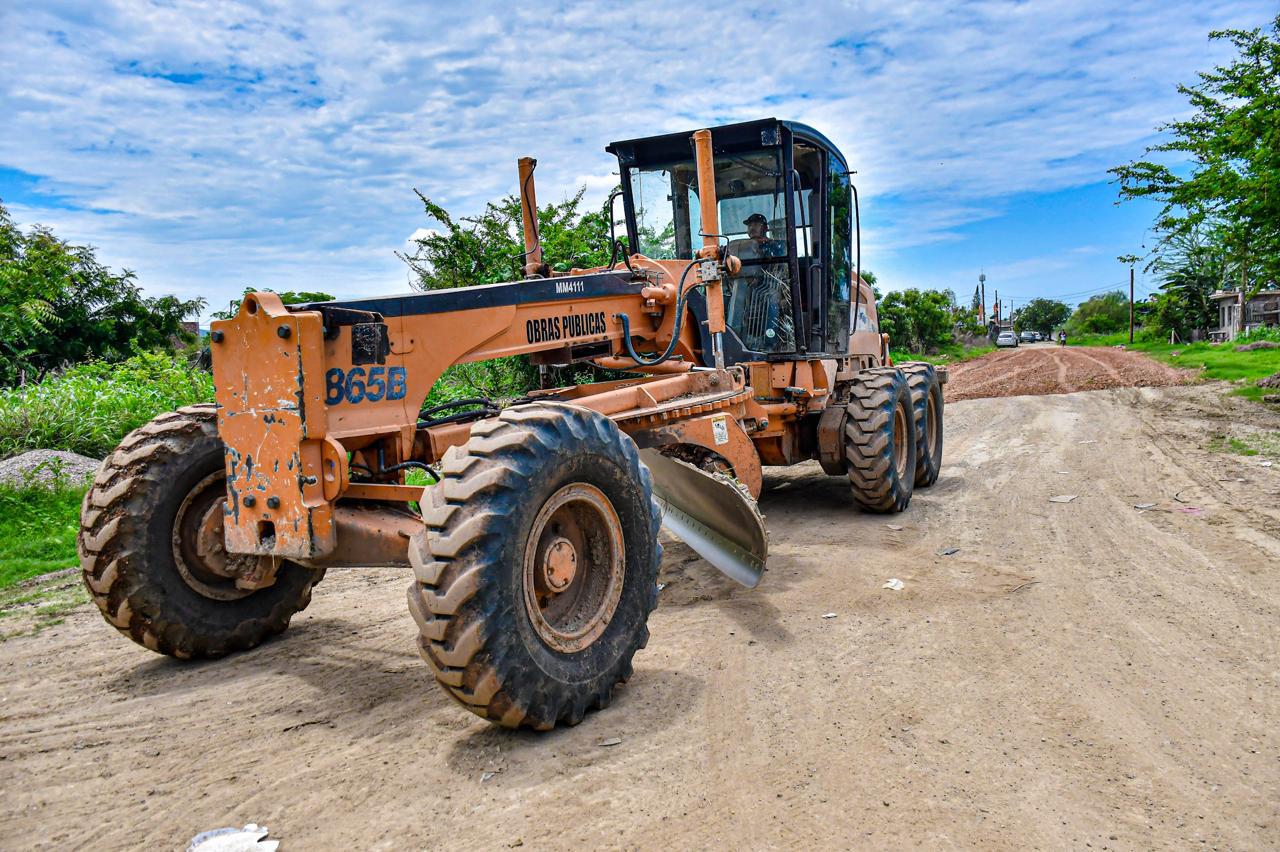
(1062, 338)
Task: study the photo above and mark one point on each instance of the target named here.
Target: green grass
(1253, 444)
(38, 525)
(952, 353)
(1103, 339)
(90, 407)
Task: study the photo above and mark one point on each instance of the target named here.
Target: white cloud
(209, 145)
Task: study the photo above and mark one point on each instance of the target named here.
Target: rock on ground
(46, 466)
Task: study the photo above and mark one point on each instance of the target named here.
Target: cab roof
(747, 135)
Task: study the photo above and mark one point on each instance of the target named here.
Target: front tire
(880, 441)
(139, 554)
(538, 567)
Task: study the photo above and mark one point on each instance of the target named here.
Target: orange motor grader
(750, 338)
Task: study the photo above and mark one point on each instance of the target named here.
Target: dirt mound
(1038, 370)
(46, 466)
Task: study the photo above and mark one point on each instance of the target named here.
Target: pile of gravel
(46, 466)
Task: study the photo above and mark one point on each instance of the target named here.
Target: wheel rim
(198, 550)
(573, 567)
(900, 437)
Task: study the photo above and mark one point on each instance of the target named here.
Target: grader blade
(713, 515)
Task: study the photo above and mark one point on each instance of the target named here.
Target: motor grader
(737, 311)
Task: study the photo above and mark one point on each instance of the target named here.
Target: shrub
(1265, 332)
(1103, 314)
(917, 320)
(88, 408)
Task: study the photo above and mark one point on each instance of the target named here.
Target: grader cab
(749, 339)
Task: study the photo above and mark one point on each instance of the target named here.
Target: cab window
(838, 262)
(751, 203)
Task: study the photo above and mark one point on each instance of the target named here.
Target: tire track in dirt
(1062, 369)
(1110, 370)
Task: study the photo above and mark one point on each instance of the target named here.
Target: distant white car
(1007, 338)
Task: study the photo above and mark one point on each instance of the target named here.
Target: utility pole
(1132, 260)
(1130, 305)
(982, 284)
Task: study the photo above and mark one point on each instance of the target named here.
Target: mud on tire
(127, 547)
(926, 402)
(879, 440)
(478, 629)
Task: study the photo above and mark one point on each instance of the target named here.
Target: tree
(1105, 314)
(1042, 315)
(59, 306)
(489, 248)
(1191, 268)
(916, 320)
(1231, 192)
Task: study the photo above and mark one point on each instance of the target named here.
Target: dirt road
(1047, 368)
(1076, 673)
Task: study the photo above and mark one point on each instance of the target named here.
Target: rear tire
(880, 441)
(926, 401)
(538, 480)
(130, 553)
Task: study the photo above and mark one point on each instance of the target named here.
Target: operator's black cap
(755, 217)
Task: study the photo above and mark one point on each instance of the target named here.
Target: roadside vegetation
(38, 523)
(949, 353)
(88, 408)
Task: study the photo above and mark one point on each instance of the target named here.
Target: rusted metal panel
(268, 369)
(371, 536)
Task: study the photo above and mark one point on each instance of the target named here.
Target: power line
(1119, 285)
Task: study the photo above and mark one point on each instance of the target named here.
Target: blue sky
(214, 145)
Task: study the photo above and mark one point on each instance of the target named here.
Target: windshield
(669, 221)
(751, 202)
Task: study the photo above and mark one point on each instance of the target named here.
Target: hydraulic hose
(675, 332)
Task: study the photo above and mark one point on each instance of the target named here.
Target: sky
(210, 146)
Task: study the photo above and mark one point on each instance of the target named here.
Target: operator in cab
(757, 245)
